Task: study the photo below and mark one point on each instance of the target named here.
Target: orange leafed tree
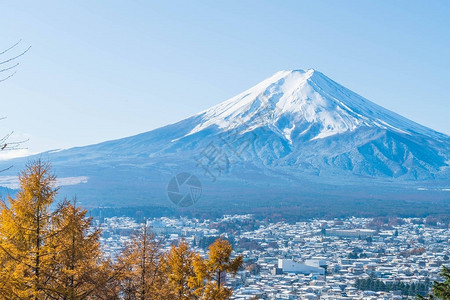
(179, 270)
(218, 264)
(48, 254)
(25, 229)
(78, 271)
(141, 275)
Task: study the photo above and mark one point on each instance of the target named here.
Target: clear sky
(100, 70)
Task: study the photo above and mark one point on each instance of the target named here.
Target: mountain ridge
(295, 126)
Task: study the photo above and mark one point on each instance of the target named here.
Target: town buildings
(316, 259)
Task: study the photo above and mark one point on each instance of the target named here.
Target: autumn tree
(75, 247)
(47, 254)
(218, 264)
(179, 269)
(197, 282)
(25, 230)
(140, 266)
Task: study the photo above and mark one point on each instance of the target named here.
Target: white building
(291, 266)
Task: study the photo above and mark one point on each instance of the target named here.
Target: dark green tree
(442, 289)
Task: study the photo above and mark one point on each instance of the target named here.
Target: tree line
(439, 290)
(56, 254)
(409, 289)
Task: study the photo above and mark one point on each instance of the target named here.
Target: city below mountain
(296, 143)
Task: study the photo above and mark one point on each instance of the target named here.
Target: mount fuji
(296, 137)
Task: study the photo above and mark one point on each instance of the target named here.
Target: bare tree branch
(11, 59)
(14, 57)
(7, 77)
(10, 63)
(9, 68)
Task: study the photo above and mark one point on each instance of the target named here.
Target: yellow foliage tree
(197, 281)
(218, 264)
(57, 255)
(77, 257)
(45, 254)
(141, 275)
(24, 232)
(179, 270)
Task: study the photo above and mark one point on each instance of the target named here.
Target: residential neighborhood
(314, 259)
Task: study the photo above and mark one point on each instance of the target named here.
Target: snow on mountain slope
(304, 118)
(304, 97)
(295, 125)
(293, 118)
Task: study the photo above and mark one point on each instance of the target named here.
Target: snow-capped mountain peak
(304, 100)
(293, 130)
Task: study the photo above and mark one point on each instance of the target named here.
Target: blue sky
(100, 70)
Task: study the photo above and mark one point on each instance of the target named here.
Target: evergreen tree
(412, 289)
(442, 289)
